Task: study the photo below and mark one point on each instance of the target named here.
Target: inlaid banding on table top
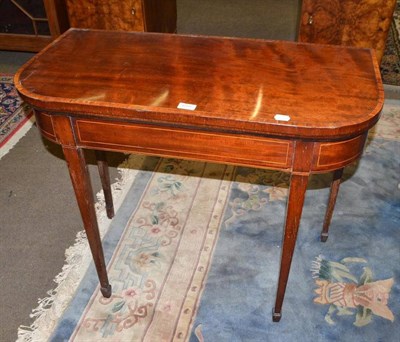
(236, 84)
(165, 141)
(334, 155)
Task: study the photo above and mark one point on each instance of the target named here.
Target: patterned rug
(390, 65)
(15, 117)
(194, 249)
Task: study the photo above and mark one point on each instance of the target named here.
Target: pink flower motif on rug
(125, 309)
(172, 230)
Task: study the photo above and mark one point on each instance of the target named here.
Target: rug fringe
(77, 260)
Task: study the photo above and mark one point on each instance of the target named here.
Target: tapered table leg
(83, 190)
(105, 182)
(337, 177)
(298, 186)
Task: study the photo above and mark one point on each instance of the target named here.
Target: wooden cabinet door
(31, 25)
(362, 23)
(124, 15)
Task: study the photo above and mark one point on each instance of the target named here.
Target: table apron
(185, 143)
(238, 149)
(335, 155)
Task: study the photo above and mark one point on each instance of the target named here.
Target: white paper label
(281, 117)
(187, 106)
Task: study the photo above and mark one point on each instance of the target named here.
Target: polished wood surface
(337, 178)
(362, 23)
(126, 98)
(298, 185)
(23, 42)
(106, 14)
(102, 165)
(237, 84)
(80, 179)
(128, 15)
(57, 16)
(160, 16)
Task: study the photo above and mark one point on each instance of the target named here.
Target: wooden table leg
(83, 190)
(105, 181)
(337, 177)
(298, 186)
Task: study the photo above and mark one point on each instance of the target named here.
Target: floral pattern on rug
(351, 300)
(13, 112)
(348, 294)
(125, 309)
(172, 231)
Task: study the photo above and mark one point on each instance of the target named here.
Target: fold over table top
(237, 85)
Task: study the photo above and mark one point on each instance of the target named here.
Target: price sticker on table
(188, 106)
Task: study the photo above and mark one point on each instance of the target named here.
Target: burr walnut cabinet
(30, 25)
(361, 23)
(127, 15)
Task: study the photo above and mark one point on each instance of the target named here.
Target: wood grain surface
(236, 84)
(106, 15)
(362, 23)
(127, 15)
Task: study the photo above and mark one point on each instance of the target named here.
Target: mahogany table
(295, 107)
